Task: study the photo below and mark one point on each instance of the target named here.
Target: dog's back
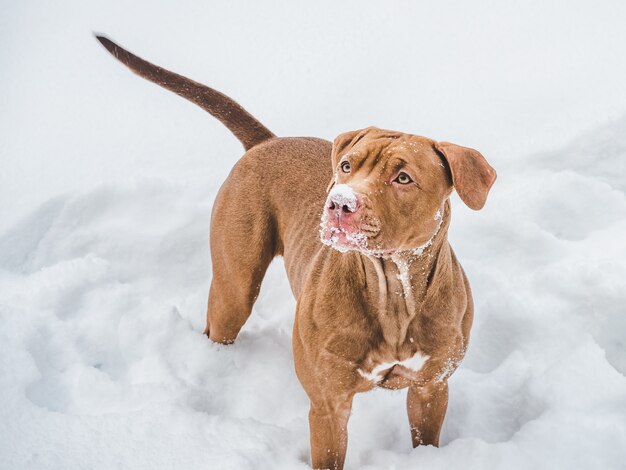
(271, 204)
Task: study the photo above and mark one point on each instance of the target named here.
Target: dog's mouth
(343, 240)
(345, 237)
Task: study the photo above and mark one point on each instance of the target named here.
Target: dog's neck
(404, 280)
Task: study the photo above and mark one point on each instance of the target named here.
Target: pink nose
(342, 200)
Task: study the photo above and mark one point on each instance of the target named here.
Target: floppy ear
(472, 176)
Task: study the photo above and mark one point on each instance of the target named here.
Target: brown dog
(382, 299)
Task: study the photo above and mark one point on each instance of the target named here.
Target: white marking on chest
(414, 363)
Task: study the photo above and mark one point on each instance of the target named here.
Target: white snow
(343, 195)
(106, 187)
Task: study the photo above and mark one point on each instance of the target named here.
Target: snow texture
(106, 187)
(343, 195)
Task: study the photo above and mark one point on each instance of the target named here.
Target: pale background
(106, 186)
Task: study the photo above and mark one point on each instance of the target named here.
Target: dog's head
(389, 189)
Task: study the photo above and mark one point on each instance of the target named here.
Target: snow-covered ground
(106, 188)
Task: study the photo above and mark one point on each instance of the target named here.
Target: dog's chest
(380, 366)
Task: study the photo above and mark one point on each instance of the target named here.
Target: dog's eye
(345, 167)
(403, 178)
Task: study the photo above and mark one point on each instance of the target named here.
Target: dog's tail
(246, 128)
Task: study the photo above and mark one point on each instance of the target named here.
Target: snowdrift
(103, 363)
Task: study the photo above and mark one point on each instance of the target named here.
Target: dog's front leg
(426, 407)
(328, 423)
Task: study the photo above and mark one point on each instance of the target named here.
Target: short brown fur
(363, 315)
